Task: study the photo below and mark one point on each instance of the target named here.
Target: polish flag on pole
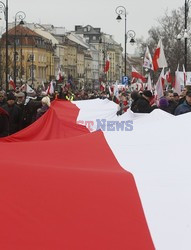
(59, 77)
(159, 86)
(149, 83)
(137, 75)
(147, 63)
(102, 87)
(159, 60)
(169, 77)
(107, 64)
(178, 80)
(116, 90)
(50, 89)
(185, 76)
(11, 83)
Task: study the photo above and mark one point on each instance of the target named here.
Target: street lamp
(19, 16)
(4, 9)
(131, 35)
(121, 10)
(185, 33)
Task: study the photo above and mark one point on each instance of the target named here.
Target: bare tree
(170, 26)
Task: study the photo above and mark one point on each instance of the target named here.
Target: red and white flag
(147, 63)
(12, 83)
(107, 64)
(169, 77)
(149, 83)
(137, 75)
(59, 77)
(116, 90)
(185, 76)
(102, 86)
(50, 89)
(178, 80)
(159, 60)
(159, 86)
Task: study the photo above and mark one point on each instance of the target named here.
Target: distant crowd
(19, 108)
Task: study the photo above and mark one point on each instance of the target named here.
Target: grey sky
(98, 13)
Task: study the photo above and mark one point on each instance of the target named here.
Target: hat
(46, 100)
(20, 94)
(11, 96)
(188, 93)
(147, 93)
(163, 103)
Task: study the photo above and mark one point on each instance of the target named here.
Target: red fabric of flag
(155, 58)
(67, 193)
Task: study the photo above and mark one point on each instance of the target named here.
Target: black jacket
(142, 105)
(4, 123)
(14, 118)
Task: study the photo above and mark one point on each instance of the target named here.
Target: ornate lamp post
(131, 35)
(19, 16)
(4, 9)
(185, 33)
(121, 10)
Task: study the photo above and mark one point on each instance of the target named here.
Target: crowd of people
(19, 109)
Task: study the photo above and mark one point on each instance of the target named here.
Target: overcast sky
(142, 14)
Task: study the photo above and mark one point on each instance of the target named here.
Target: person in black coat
(14, 114)
(134, 97)
(4, 123)
(29, 111)
(171, 103)
(143, 103)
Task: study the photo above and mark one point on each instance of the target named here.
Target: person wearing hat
(20, 98)
(143, 103)
(164, 104)
(176, 97)
(14, 113)
(185, 107)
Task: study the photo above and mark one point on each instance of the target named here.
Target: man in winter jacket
(185, 107)
(14, 114)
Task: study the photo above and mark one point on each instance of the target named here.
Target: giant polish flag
(159, 60)
(137, 75)
(101, 182)
(73, 194)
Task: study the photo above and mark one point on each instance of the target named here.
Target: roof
(47, 35)
(78, 39)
